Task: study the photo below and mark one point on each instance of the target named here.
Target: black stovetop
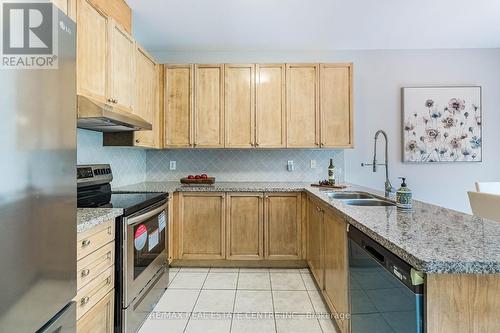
(101, 196)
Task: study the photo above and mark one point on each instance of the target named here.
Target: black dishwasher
(386, 293)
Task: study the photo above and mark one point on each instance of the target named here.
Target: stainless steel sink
(348, 195)
(369, 202)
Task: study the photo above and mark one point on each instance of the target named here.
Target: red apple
(190, 177)
(204, 176)
(197, 177)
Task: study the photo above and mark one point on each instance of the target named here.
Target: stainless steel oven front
(144, 250)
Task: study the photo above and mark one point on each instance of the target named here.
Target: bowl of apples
(198, 179)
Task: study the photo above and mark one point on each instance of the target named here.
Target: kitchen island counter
(432, 239)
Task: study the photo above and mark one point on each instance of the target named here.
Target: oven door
(145, 235)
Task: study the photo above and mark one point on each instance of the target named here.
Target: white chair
(485, 205)
(488, 187)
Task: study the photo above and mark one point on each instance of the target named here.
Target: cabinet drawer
(100, 318)
(94, 291)
(94, 238)
(89, 267)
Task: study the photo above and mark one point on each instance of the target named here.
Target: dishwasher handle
(375, 254)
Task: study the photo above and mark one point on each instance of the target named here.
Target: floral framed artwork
(442, 124)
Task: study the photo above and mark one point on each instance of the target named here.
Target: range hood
(101, 117)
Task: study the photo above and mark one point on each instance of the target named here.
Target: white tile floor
(232, 300)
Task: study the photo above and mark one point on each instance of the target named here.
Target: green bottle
(331, 174)
(404, 196)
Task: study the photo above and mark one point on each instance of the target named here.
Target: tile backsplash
(128, 164)
(243, 164)
(135, 165)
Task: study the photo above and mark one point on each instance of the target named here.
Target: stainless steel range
(141, 243)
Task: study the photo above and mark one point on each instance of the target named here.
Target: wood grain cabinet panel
(336, 105)
(239, 105)
(146, 103)
(302, 105)
(283, 230)
(99, 319)
(91, 53)
(336, 277)
(270, 112)
(202, 225)
(315, 233)
(209, 106)
(178, 106)
(245, 226)
(121, 66)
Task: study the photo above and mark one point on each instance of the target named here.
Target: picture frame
(442, 124)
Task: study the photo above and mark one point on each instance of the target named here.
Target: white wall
(378, 78)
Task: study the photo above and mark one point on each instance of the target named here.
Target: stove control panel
(93, 174)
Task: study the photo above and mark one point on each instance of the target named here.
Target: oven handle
(145, 216)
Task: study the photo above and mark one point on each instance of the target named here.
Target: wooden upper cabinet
(202, 225)
(336, 105)
(91, 59)
(146, 103)
(209, 106)
(121, 67)
(178, 106)
(270, 104)
(239, 105)
(302, 105)
(315, 240)
(336, 284)
(283, 226)
(245, 226)
(117, 9)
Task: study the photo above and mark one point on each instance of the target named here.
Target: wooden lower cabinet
(237, 226)
(283, 224)
(245, 226)
(99, 319)
(336, 267)
(202, 225)
(315, 233)
(95, 279)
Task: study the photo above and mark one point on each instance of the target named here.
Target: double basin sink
(356, 198)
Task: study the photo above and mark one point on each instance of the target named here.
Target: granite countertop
(88, 218)
(432, 239)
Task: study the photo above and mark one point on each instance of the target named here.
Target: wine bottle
(331, 174)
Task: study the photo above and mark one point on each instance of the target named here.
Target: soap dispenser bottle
(404, 196)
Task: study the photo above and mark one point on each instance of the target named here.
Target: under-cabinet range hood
(97, 116)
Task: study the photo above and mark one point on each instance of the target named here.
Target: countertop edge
(87, 218)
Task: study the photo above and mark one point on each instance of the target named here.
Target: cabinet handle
(115, 101)
(137, 140)
(109, 230)
(84, 300)
(256, 144)
(85, 242)
(85, 272)
(110, 100)
(108, 255)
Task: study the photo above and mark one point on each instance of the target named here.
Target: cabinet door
(239, 107)
(121, 67)
(178, 106)
(146, 99)
(315, 240)
(336, 266)
(302, 105)
(91, 59)
(245, 226)
(202, 227)
(100, 318)
(209, 106)
(336, 105)
(270, 124)
(282, 221)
